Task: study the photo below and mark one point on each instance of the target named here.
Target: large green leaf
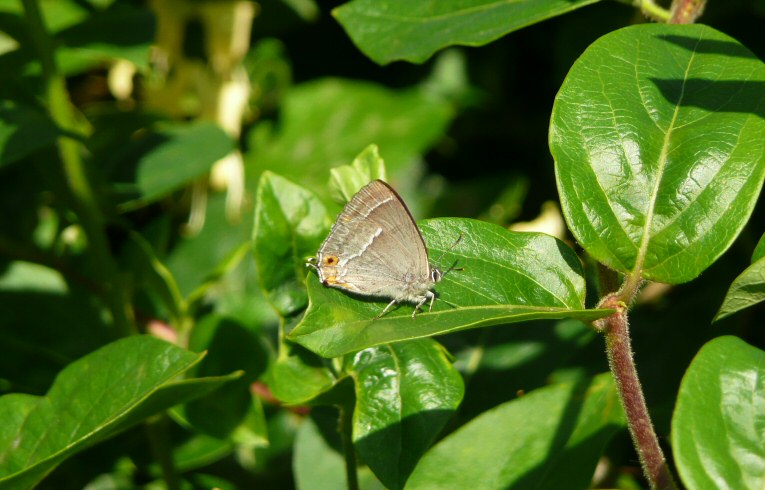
(102, 393)
(290, 222)
(405, 394)
(659, 137)
(327, 123)
(550, 438)
(718, 429)
(175, 156)
(508, 277)
(413, 31)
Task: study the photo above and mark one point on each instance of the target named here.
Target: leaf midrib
(524, 309)
(646, 236)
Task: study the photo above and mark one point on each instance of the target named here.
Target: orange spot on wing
(332, 281)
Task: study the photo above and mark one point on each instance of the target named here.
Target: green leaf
(298, 376)
(153, 277)
(290, 223)
(231, 347)
(759, 250)
(509, 277)
(413, 31)
(202, 261)
(105, 392)
(550, 438)
(717, 428)
(525, 358)
(23, 130)
(405, 394)
(57, 14)
(200, 450)
(350, 115)
(747, 290)
(177, 156)
(658, 137)
(123, 31)
(346, 180)
(318, 462)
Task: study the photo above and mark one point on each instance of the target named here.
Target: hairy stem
(653, 11)
(622, 364)
(686, 11)
(83, 197)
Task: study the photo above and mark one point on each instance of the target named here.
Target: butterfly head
(435, 274)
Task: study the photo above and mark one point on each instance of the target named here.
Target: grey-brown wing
(375, 245)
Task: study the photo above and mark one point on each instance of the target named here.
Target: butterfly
(376, 250)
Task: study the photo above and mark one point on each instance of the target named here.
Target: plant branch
(653, 11)
(84, 198)
(622, 364)
(686, 11)
(349, 451)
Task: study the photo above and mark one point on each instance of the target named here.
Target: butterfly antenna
(459, 239)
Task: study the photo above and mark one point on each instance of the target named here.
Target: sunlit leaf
(658, 136)
(290, 223)
(508, 277)
(550, 438)
(105, 392)
(405, 394)
(413, 31)
(718, 439)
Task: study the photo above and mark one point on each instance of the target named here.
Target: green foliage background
(462, 133)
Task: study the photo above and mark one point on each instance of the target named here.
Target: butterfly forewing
(375, 247)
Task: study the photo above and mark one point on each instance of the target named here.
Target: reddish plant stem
(686, 11)
(622, 363)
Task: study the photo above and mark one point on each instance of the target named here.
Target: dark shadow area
(574, 464)
(230, 347)
(709, 46)
(736, 96)
(80, 470)
(118, 26)
(520, 358)
(414, 435)
(122, 167)
(42, 332)
(24, 130)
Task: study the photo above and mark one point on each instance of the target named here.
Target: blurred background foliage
(463, 134)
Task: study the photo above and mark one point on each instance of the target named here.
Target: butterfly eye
(331, 260)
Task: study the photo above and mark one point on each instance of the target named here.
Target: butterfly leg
(422, 301)
(312, 262)
(386, 310)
